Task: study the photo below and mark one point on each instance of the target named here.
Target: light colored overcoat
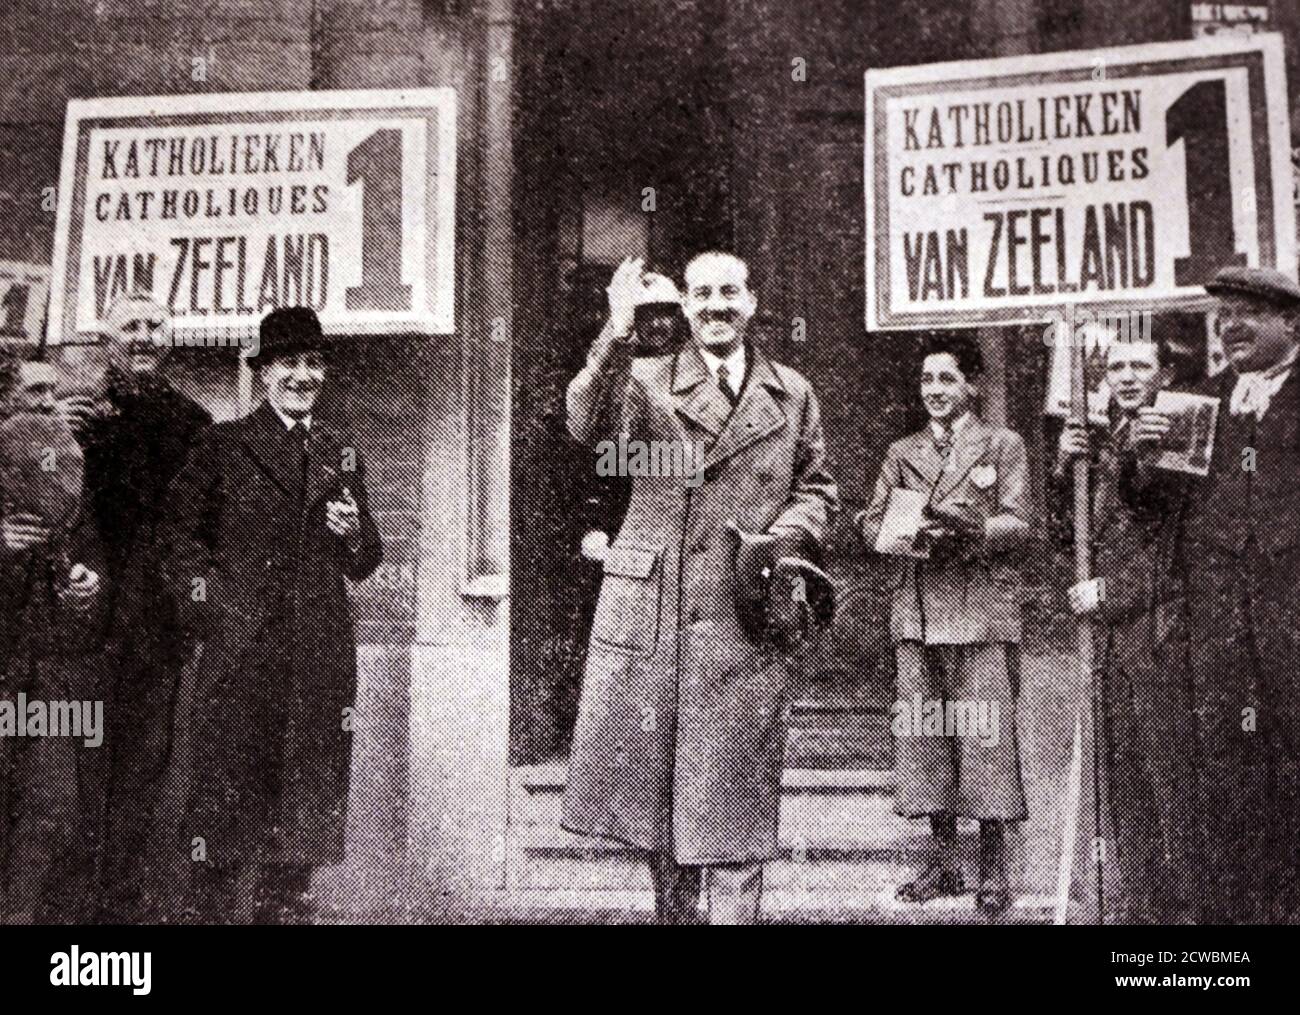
(680, 732)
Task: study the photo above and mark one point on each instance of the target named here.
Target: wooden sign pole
(1086, 634)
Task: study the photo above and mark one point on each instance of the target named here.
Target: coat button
(694, 614)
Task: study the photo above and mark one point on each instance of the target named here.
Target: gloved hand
(951, 535)
(757, 554)
(756, 558)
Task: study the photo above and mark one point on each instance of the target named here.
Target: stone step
(843, 851)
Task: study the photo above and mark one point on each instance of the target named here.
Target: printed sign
(1189, 444)
(1007, 190)
(24, 291)
(223, 207)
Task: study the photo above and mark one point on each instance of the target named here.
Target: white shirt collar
(957, 424)
(289, 421)
(1254, 391)
(735, 364)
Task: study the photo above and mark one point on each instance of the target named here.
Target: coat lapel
(1282, 420)
(699, 399)
(922, 458)
(1105, 486)
(263, 440)
(324, 462)
(971, 442)
(759, 414)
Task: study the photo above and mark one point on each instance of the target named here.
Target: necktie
(298, 442)
(724, 383)
(943, 442)
(297, 437)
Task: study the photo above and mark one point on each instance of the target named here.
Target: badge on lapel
(983, 476)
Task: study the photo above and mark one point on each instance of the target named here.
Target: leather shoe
(993, 899)
(934, 881)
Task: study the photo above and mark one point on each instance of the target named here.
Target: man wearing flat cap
(269, 517)
(681, 727)
(1227, 610)
(955, 621)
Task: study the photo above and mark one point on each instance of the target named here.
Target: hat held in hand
(782, 597)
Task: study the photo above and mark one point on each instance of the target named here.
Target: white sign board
(24, 291)
(223, 207)
(1003, 191)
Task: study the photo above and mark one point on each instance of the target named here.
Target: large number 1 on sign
(377, 163)
(1199, 118)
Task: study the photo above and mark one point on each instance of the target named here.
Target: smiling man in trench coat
(680, 735)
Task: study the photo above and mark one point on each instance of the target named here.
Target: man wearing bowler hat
(1227, 610)
(270, 517)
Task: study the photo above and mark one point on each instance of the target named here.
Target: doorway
(612, 161)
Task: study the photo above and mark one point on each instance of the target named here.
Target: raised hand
(622, 293)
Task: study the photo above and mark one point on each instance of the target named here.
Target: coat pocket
(627, 616)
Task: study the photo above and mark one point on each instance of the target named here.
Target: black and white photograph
(564, 463)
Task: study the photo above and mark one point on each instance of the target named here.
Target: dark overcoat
(260, 580)
(1147, 705)
(1228, 616)
(681, 726)
(45, 639)
(133, 450)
